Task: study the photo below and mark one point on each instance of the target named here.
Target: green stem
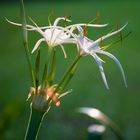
(53, 68)
(68, 72)
(37, 67)
(46, 68)
(69, 78)
(25, 41)
(34, 124)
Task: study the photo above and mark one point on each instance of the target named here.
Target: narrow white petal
(66, 30)
(75, 25)
(71, 31)
(60, 18)
(37, 44)
(101, 60)
(117, 62)
(80, 30)
(82, 38)
(18, 24)
(46, 27)
(32, 28)
(66, 41)
(88, 25)
(109, 35)
(40, 31)
(99, 63)
(37, 27)
(63, 50)
(59, 35)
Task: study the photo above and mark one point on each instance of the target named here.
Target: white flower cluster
(55, 35)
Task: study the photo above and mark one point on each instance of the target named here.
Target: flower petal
(66, 41)
(59, 35)
(75, 25)
(18, 24)
(56, 27)
(99, 63)
(80, 30)
(37, 44)
(109, 35)
(117, 62)
(60, 18)
(29, 27)
(63, 50)
(37, 27)
(88, 25)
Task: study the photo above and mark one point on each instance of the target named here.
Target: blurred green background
(120, 104)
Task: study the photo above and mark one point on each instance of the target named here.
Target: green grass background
(120, 104)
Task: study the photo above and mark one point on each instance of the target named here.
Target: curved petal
(66, 31)
(101, 60)
(56, 27)
(88, 25)
(37, 28)
(99, 63)
(32, 28)
(81, 36)
(60, 18)
(59, 35)
(29, 27)
(46, 27)
(75, 25)
(63, 50)
(80, 30)
(72, 29)
(117, 62)
(18, 24)
(109, 35)
(66, 41)
(37, 44)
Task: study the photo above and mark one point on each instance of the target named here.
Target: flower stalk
(53, 68)
(46, 68)
(68, 72)
(25, 42)
(37, 66)
(35, 121)
(70, 76)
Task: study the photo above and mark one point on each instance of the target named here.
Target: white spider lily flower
(90, 47)
(54, 35)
